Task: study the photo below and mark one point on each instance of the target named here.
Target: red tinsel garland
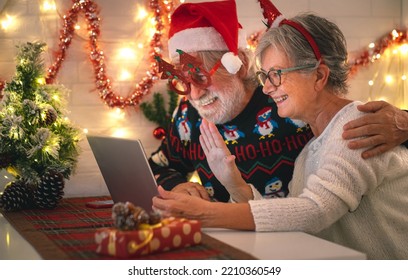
(97, 57)
(393, 38)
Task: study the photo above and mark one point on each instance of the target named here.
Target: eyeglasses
(275, 75)
(191, 72)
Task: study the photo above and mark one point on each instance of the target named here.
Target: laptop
(125, 169)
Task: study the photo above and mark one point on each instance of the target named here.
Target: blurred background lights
(125, 75)
(120, 133)
(389, 79)
(127, 53)
(7, 22)
(48, 6)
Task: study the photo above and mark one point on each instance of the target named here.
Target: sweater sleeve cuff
(260, 215)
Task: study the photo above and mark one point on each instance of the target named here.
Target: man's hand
(385, 128)
(172, 204)
(222, 163)
(193, 189)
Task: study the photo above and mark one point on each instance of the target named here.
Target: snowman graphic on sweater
(264, 124)
(184, 126)
(273, 188)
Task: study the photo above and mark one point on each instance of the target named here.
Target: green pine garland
(34, 133)
(156, 112)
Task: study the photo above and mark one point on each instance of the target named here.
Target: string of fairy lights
(156, 15)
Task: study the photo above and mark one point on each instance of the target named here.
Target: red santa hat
(208, 26)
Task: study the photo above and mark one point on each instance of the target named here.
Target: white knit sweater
(337, 195)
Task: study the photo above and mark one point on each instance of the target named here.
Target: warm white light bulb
(127, 53)
(7, 22)
(370, 82)
(125, 75)
(119, 133)
(49, 5)
(142, 13)
(389, 79)
(41, 81)
(403, 49)
(117, 114)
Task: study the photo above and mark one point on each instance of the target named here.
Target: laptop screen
(125, 169)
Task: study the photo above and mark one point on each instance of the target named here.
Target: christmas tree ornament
(159, 133)
(16, 196)
(50, 190)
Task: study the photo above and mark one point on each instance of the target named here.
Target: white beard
(229, 103)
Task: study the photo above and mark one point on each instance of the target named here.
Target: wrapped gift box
(170, 234)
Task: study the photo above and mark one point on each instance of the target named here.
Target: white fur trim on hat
(200, 39)
(277, 21)
(231, 62)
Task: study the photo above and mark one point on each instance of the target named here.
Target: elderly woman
(334, 193)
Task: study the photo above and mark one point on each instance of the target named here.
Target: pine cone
(50, 117)
(16, 196)
(50, 190)
(127, 216)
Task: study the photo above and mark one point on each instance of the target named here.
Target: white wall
(362, 22)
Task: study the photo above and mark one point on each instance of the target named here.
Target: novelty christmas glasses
(191, 72)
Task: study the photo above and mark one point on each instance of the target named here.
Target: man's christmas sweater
(265, 146)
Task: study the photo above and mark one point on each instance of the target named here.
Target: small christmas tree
(38, 144)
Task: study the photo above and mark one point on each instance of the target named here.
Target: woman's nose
(269, 88)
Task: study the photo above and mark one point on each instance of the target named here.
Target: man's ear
(322, 76)
(243, 71)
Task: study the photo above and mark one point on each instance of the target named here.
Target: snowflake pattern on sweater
(265, 146)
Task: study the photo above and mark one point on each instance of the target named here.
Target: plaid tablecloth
(67, 232)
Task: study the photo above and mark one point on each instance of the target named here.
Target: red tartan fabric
(68, 231)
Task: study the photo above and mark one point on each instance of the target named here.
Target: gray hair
(328, 37)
